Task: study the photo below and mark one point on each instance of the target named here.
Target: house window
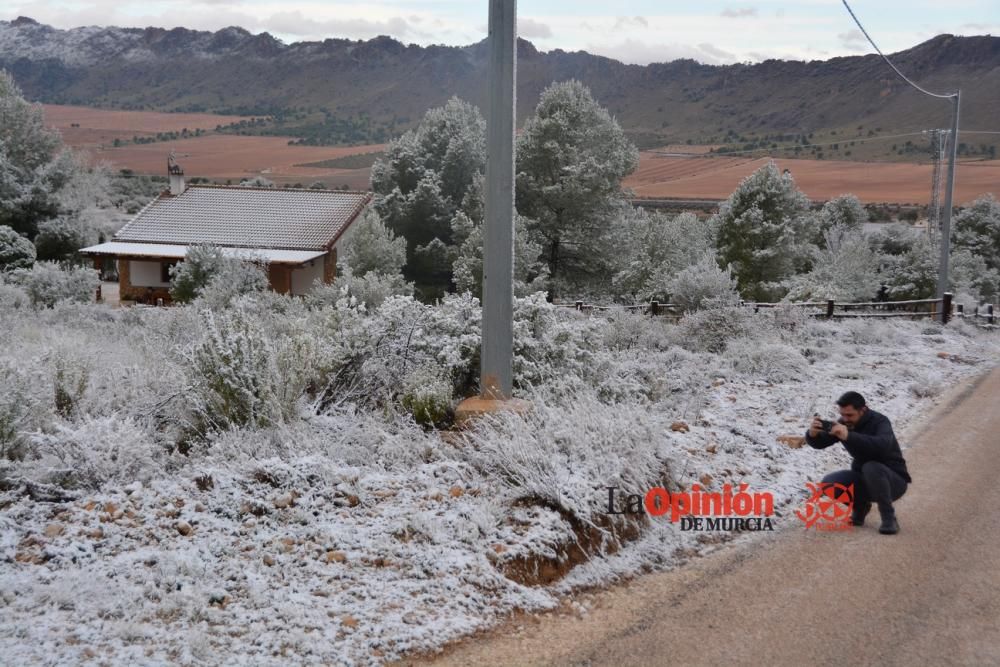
(165, 271)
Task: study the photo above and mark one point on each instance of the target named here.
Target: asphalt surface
(929, 595)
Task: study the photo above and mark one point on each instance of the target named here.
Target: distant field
(221, 157)
(233, 157)
(661, 173)
(83, 126)
(717, 177)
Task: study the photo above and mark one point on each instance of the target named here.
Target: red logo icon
(828, 507)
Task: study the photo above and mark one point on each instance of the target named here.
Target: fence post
(989, 314)
(829, 309)
(98, 292)
(654, 308)
(579, 305)
(961, 311)
(946, 307)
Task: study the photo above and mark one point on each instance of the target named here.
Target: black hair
(852, 398)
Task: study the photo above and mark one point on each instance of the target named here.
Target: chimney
(176, 175)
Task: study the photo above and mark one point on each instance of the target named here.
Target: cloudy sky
(636, 31)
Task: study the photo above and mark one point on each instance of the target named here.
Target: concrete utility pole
(949, 192)
(497, 354)
(496, 372)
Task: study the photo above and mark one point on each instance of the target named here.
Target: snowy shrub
(710, 329)
(703, 281)
(69, 383)
(656, 248)
(16, 252)
(15, 412)
(869, 332)
(91, 453)
(625, 330)
(59, 238)
(844, 211)
(426, 395)
(189, 277)
(551, 342)
(241, 376)
(257, 182)
(374, 248)
(774, 362)
(925, 385)
(403, 334)
(566, 454)
(845, 269)
(233, 278)
(367, 291)
(977, 229)
(12, 297)
(47, 284)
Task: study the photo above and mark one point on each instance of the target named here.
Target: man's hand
(815, 427)
(839, 431)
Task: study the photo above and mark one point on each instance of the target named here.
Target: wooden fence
(935, 309)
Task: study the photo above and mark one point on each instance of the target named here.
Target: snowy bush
(71, 376)
(552, 343)
(91, 453)
(15, 411)
(367, 291)
(241, 376)
(567, 454)
(845, 269)
(16, 252)
(47, 284)
(703, 281)
(710, 329)
(426, 395)
(59, 238)
(12, 297)
(977, 228)
(232, 278)
(189, 277)
(374, 248)
(771, 361)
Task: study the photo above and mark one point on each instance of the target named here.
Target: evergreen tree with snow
(422, 182)
(977, 228)
(571, 159)
(762, 231)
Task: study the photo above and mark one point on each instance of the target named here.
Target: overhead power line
(889, 62)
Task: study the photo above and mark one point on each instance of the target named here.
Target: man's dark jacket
(871, 439)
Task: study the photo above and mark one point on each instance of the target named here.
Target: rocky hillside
(382, 81)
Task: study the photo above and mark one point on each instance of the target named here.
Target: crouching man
(878, 470)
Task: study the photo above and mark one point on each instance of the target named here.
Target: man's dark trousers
(875, 483)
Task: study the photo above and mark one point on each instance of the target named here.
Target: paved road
(929, 595)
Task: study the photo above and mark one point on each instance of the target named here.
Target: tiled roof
(276, 218)
(173, 251)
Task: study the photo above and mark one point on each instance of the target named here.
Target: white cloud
(532, 29)
(739, 13)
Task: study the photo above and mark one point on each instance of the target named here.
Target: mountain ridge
(387, 81)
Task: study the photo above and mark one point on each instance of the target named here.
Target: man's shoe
(889, 526)
(859, 513)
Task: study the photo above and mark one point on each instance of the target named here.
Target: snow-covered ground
(341, 531)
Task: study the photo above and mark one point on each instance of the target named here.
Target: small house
(297, 233)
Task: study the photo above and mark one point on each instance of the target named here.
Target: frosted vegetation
(269, 476)
(277, 478)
